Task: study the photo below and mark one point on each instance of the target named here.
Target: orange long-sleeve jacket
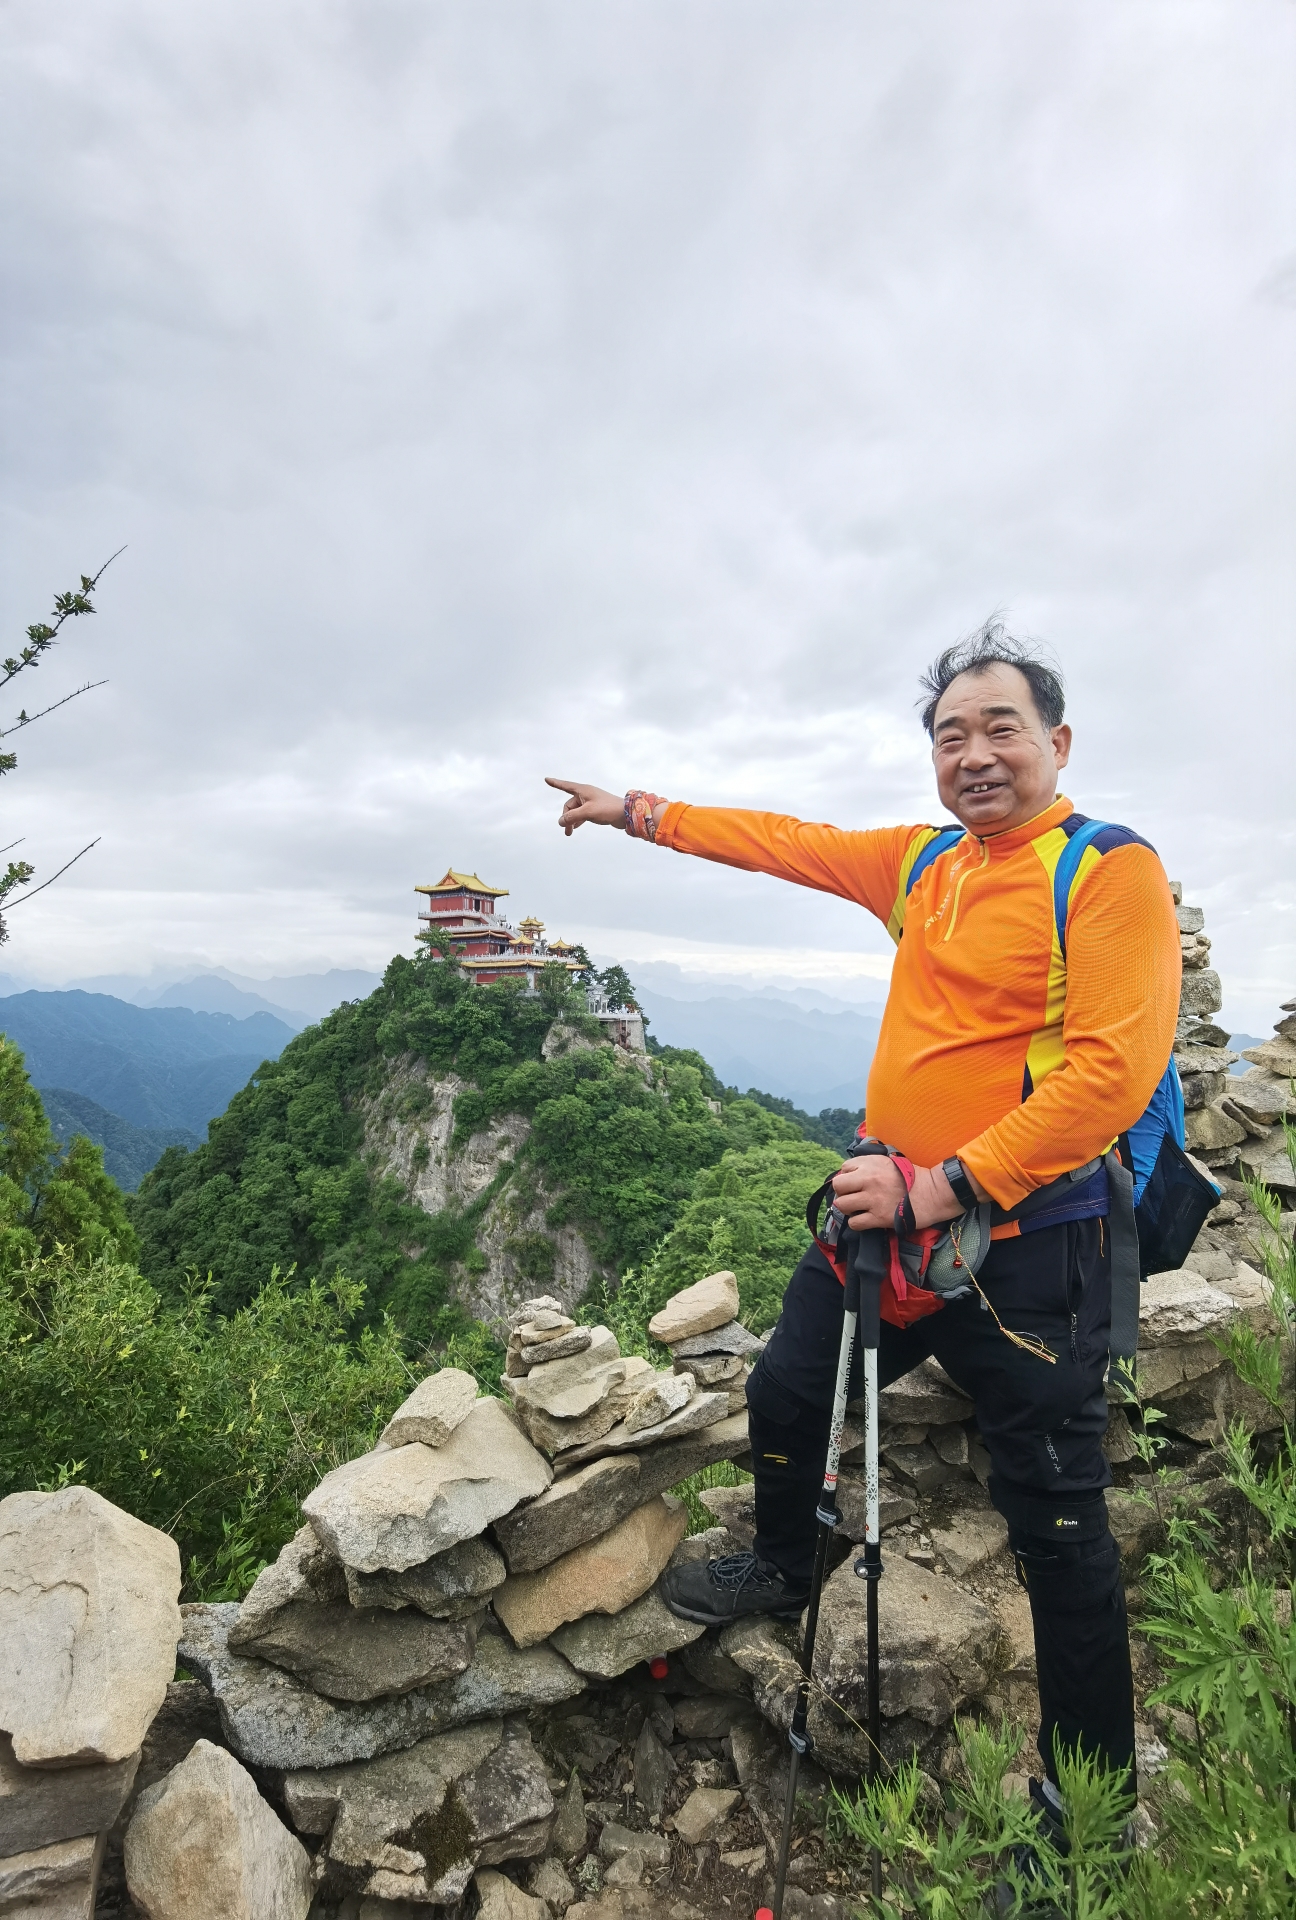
(993, 1045)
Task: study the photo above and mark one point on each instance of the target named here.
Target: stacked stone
(89, 1621)
(482, 1562)
(717, 1353)
(579, 1398)
(1233, 1121)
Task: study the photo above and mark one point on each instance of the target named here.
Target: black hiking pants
(1042, 1425)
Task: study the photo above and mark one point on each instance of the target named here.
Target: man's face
(996, 762)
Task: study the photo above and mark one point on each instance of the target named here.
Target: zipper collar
(1008, 842)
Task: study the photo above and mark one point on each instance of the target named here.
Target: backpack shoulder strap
(1067, 870)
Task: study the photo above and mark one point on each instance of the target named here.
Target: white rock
(711, 1303)
(435, 1408)
(88, 1626)
(398, 1508)
(203, 1845)
(543, 1303)
(665, 1394)
(1178, 1306)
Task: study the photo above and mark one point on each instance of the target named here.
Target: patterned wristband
(639, 822)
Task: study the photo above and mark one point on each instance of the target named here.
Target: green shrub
(49, 1198)
(211, 1427)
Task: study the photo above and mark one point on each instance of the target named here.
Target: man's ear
(1061, 739)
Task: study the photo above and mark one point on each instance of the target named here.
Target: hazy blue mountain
(159, 1067)
(213, 993)
(297, 999)
(128, 1151)
(814, 1058)
(1237, 1041)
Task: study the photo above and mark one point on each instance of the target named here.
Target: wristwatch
(961, 1185)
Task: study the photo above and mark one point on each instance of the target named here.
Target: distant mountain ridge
(128, 1151)
(155, 1067)
(814, 1058)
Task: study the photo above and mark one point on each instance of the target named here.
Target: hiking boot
(1027, 1863)
(718, 1591)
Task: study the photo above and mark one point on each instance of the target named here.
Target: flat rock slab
(449, 1586)
(603, 1576)
(40, 1806)
(436, 1407)
(655, 1401)
(52, 1883)
(1258, 1098)
(604, 1646)
(561, 1347)
(353, 1653)
(304, 1571)
(665, 1465)
(575, 1510)
(704, 1813)
(272, 1719)
(203, 1841)
(398, 1508)
(970, 1538)
(715, 1369)
(732, 1337)
(88, 1626)
(703, 1410)
(712, 1303)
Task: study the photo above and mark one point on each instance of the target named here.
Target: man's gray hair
(993, 646)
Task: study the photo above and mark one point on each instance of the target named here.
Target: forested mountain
(449, 1145)
(128, 1151)
(156, 1067)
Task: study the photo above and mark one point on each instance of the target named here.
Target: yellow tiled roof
(463, 883)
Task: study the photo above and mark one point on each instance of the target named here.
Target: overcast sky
(644, 393)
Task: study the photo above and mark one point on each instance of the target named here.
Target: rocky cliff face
(409, 1135)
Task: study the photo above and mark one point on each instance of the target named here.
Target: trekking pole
(870, 1264)
(826, 1514)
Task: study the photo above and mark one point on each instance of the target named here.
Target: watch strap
(955, 1173)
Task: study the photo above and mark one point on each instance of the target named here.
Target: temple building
(462, 910)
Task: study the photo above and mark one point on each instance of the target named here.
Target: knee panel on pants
(1067, 1579)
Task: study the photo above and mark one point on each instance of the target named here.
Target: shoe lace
(738, 1570)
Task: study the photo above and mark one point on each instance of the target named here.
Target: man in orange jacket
(1000, 1065)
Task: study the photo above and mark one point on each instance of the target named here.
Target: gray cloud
(645, 392)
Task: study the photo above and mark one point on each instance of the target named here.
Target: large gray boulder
(88, 1626)
(273, 1719)
(397, 1508)
(40, 1806)
(204, 1845)
(940, 1649)
(354, 1653)
(575, 1509)
(400, 1804)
